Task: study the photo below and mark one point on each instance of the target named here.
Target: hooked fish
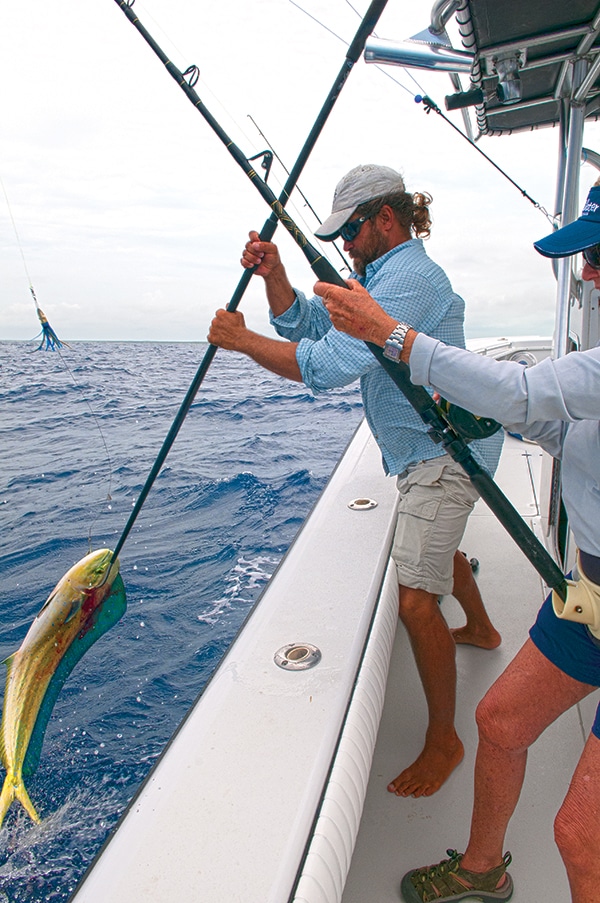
(85, 603)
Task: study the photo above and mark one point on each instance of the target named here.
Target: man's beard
(373, 248)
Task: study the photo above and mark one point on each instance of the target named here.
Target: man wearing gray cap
(381, 225)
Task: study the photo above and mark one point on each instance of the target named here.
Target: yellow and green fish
(85, 603)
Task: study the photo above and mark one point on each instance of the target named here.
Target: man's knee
(496, 723)
(416, 606)
(577, 832)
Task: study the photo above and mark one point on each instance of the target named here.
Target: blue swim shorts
(571, 647)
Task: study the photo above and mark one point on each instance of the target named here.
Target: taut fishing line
(339, 38)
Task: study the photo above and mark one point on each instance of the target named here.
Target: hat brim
(569, 240)
(330, 229)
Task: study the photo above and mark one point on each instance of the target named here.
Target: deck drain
(362, 504)
(297, 656)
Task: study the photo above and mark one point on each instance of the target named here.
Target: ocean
(80, 431)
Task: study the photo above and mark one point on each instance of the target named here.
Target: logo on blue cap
(576, 236)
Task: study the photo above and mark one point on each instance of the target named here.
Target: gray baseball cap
(363, 183)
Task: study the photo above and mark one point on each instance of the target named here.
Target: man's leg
(434, 651)
(435, 500)
(577, 826)
(478, 630)
(529, 695)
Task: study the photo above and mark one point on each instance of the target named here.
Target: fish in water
(85, 603)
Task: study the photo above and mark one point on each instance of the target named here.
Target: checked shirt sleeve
(337, 360)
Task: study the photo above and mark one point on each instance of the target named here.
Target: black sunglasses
(350, 230)
(592, 256)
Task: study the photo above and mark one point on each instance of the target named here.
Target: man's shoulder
(409, 262)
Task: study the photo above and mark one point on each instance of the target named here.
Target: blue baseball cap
(577, 236)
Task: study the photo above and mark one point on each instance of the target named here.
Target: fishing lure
(50, 341)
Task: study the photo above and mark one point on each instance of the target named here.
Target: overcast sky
(131, 214)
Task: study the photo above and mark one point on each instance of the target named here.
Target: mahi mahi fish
(85, 603)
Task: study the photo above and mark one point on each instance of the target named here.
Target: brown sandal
(447, 882)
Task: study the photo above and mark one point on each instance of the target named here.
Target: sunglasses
(350, 230)
(592, 256)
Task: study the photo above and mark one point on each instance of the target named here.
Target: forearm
(280, 293)
(278, 357)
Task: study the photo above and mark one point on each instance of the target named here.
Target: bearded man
(382, 226)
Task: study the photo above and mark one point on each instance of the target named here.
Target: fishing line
(50, 340)
(53, 343)
(439, 428)
(335, 35)
(429, 105)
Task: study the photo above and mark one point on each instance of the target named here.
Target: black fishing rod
(353, 53)
(440, 429)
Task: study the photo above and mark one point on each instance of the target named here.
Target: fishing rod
(440, 429)
(353, 53)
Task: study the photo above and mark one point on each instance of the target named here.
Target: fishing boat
(273, 788)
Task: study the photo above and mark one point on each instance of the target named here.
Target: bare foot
(488, 639)
(429, 771)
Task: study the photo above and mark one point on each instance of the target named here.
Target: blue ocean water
(80, 431)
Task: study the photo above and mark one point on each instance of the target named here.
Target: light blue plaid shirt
(411, 288)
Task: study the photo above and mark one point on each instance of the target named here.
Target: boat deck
(398, 834)
(258, 796)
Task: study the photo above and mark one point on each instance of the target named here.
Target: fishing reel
(468, 425)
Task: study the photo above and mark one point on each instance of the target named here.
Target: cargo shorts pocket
(421, 493)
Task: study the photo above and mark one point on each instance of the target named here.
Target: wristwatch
(395, 343)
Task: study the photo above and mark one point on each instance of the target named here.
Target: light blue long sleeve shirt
(411, 288)
(556, 403)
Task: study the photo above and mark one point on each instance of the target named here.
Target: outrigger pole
(439, 428)
(353, 53)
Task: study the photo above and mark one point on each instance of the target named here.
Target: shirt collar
(376, 265)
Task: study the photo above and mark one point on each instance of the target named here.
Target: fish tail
(12, 789)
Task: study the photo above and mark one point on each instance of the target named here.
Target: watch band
(395, 343)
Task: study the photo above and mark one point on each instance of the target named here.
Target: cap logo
(590, 207)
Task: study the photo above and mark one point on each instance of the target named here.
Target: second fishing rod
(440, 429)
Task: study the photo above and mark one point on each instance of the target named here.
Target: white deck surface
(399, 834)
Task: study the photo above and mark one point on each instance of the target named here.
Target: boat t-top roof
(524, 60)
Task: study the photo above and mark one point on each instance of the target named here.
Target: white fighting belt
(582, 603)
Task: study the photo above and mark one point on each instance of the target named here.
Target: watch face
(392, 352)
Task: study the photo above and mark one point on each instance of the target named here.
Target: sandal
(447, 881)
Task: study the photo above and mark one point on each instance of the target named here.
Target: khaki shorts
(436, 498)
